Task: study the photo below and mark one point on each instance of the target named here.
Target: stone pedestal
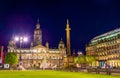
(68, 61)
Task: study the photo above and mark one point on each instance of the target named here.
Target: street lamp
(21, 39)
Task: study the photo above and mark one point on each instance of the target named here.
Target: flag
(2, 54)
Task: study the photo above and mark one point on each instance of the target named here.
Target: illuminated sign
(6, 65)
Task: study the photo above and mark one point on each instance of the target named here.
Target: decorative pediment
(40, 48)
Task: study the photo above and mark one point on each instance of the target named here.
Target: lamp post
(21, 39)
(32, 58)
(31, 51)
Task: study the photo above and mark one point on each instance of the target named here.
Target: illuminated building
(106, 48)
(33, 56)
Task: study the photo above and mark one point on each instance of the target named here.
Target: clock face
(37, 32)
(38, 37)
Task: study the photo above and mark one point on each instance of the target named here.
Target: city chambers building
(106, 48)
(38, 54)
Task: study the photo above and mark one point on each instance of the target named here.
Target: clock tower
(37, 34)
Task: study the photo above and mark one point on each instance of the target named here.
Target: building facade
(106, 48)
(39, 55)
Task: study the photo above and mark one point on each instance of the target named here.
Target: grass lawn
(50, 74)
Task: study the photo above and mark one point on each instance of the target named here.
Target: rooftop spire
(38, 24)
(61, 39)
(38, 20)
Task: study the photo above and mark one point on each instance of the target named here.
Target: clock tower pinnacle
(37, 34)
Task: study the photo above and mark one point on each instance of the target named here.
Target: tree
(84, 60)
(80, 60)
(11, 58)
(90, 59)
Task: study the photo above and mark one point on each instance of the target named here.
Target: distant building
(37, 53)
(106, 48)
(79, 53)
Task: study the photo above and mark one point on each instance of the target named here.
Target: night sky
(88, 18)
